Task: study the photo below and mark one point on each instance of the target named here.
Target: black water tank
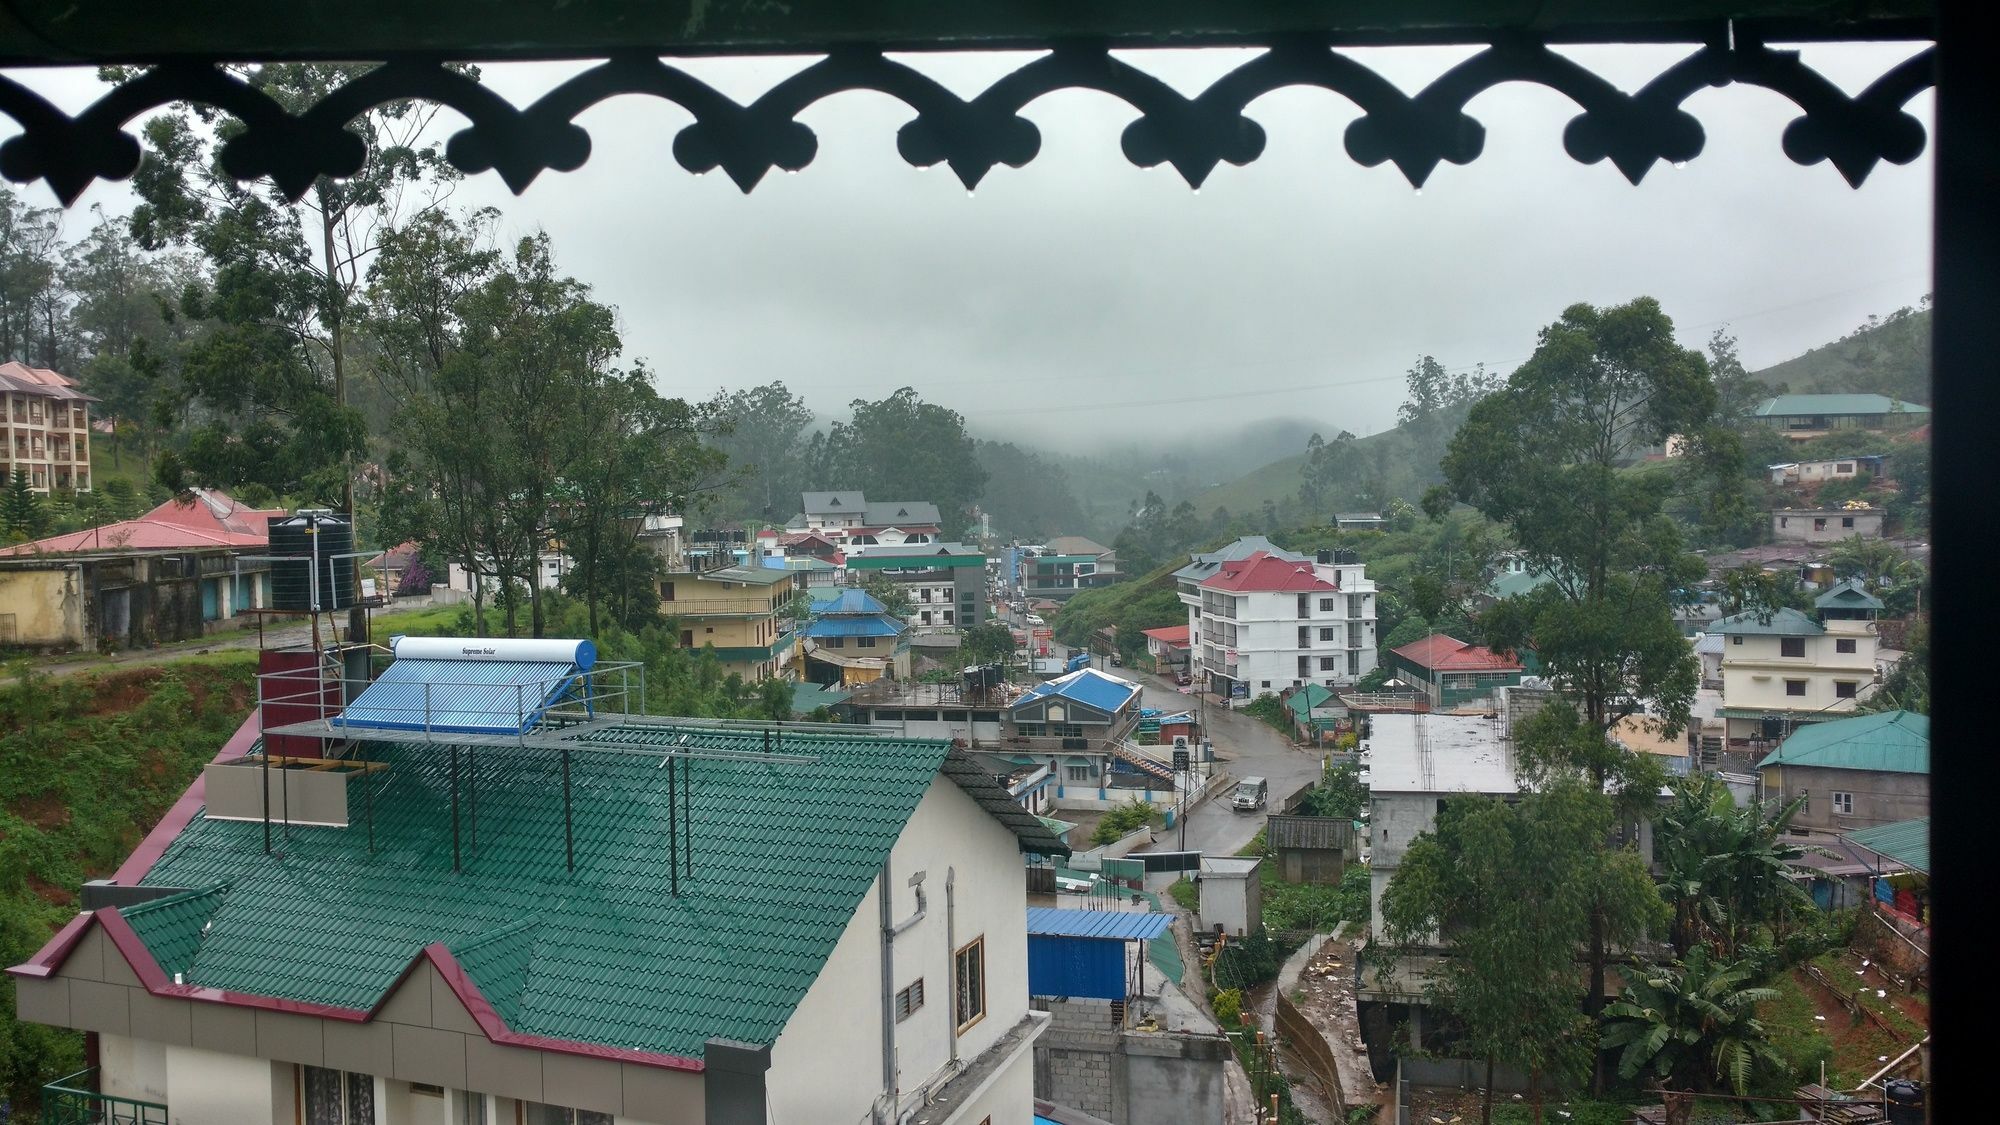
(1906, 1101)
(308, 571)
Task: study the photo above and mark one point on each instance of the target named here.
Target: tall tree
(759, 430)
(30, 287)
(903, 448)
(1543, 456)
(1511, 892)
(23, 515)
(268, 387)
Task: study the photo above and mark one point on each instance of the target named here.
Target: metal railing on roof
(72, 1100)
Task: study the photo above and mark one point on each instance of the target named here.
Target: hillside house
(175, 573)
(879, 969)
(1785, 669)
(1815, 415)
(45, 429)
(1820, 472)
(1854, 772)
(1078, 719)
(1453, 674)
(1826, 525)
(1168, 647)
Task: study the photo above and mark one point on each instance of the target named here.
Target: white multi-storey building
(1261, 619)
(1784, 668)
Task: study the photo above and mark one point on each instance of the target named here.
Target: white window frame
(968, 996)
(1843, 803)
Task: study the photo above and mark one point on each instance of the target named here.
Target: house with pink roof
(182, 570)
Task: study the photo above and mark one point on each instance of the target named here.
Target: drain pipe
(951, 954)
(891, 1096)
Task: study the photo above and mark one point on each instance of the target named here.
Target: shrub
(1228, 1007)
(1186, 894)
(1124, 819)
(1249, 961)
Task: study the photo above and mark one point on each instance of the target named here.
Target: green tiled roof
(171, 926)
(783, 854)
(1785, 405)
(807, 698)
(1516, 583)
(1786, 622)
(1850, 594)
(1908, 842)
(1886, 741)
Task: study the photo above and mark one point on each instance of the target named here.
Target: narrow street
(1244, 747)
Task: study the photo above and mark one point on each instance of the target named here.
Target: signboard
(1180, 761)
(1239, 689)
(1045, 634)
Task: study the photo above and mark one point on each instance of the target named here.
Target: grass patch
(1186, 894)
(87, 765)
(1802, 1041)
(1511, 1112)
(430, 621)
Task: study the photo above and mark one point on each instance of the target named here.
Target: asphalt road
(1244, 747)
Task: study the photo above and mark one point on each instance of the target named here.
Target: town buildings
(1853, 773)
(1264, 619)
(179, 571)
(1783, 668)
(848, 519)
(1168, 646)
(1067, 565)
(835, 934)
(1816, 415)
(1827, 525)
(1451, 673)
(945, 582)
(852, 640)
(44, 428)
(1820, 472)
(741, 609)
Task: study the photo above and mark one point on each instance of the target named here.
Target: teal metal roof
(172, 926)
(1850, 594)
(783, 853)
(807, 698)
(1886, 741)
(1908, 842)
(1515, 583)
(1786, 622)
(1785, 405)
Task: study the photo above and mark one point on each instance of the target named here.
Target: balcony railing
(71, 1100)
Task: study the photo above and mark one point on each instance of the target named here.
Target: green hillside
(1384, 466)
(1889, 355)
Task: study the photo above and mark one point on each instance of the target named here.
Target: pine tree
(22, 514)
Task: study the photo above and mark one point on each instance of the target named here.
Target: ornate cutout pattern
(1632, 131)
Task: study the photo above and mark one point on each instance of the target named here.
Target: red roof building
(1263, 572)
(1440, 653)
(205, 520)
(1452, 673)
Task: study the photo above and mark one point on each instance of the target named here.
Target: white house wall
(827, 1065)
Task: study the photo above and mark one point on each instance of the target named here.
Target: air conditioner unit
(1180, 742)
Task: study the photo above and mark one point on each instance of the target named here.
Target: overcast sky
(1081, 300)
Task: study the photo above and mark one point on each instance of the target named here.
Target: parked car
(1035, 619)
(1251, 794)
(1117, 661)
(1183, 679)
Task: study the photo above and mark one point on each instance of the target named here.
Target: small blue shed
(1081, 953)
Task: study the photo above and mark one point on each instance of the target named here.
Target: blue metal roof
(1087, 686)
(850, 601)
(1110, 925)
(459, 696)
(854, 627)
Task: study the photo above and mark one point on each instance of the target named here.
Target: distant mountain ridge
(1889, 355)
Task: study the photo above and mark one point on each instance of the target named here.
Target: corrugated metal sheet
(1074, 966)
(1908, 842)
(458, 696)
(1313, 832)
(1113, 925)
